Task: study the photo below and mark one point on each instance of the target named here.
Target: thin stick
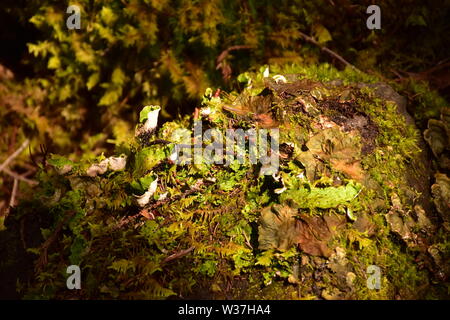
(178, 255)
(330, 52)
(193, 189)
(43, 258)
(225, 53)
(159, 141)
(247, 240)
(14, 155)
(13, 193)
(20, 177)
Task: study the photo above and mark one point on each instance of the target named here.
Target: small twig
(13, 140)
(400, 77)
(43, 258)
(215, 228)
(159, 141)
(2, 204)
(178, 254)
(193, 189)
(14, 155)
(225, 53)
(223, 65)
(20, 177)
(247, 240)
(44, 151)
(32, 158)
(435, 68)
(12, 200)
(125, 100)
(28, 166)
(327, 50)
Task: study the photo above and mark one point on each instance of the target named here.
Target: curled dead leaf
(280, 229)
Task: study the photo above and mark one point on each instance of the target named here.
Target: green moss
(325, 72)
(425, 102)
(347, 154)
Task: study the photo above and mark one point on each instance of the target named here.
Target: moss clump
(343, 198)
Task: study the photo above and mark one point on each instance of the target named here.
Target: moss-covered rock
(350, 190)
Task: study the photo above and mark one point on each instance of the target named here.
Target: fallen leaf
(314, 233)
(341, 149)
(280, 229)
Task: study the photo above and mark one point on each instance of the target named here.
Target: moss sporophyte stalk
(291, 188)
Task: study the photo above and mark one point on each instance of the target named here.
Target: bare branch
(178, 254)
(195, 188)
(20, 177)
(327, 50)
(247, 240)
(225, 53)
(2, 204)
(14, 155)
(12, 200)
(43, 258)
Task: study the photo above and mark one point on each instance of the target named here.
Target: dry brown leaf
(351, 169)
(280, 229)
(314, 233)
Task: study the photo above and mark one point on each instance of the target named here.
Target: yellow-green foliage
(166, 52)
